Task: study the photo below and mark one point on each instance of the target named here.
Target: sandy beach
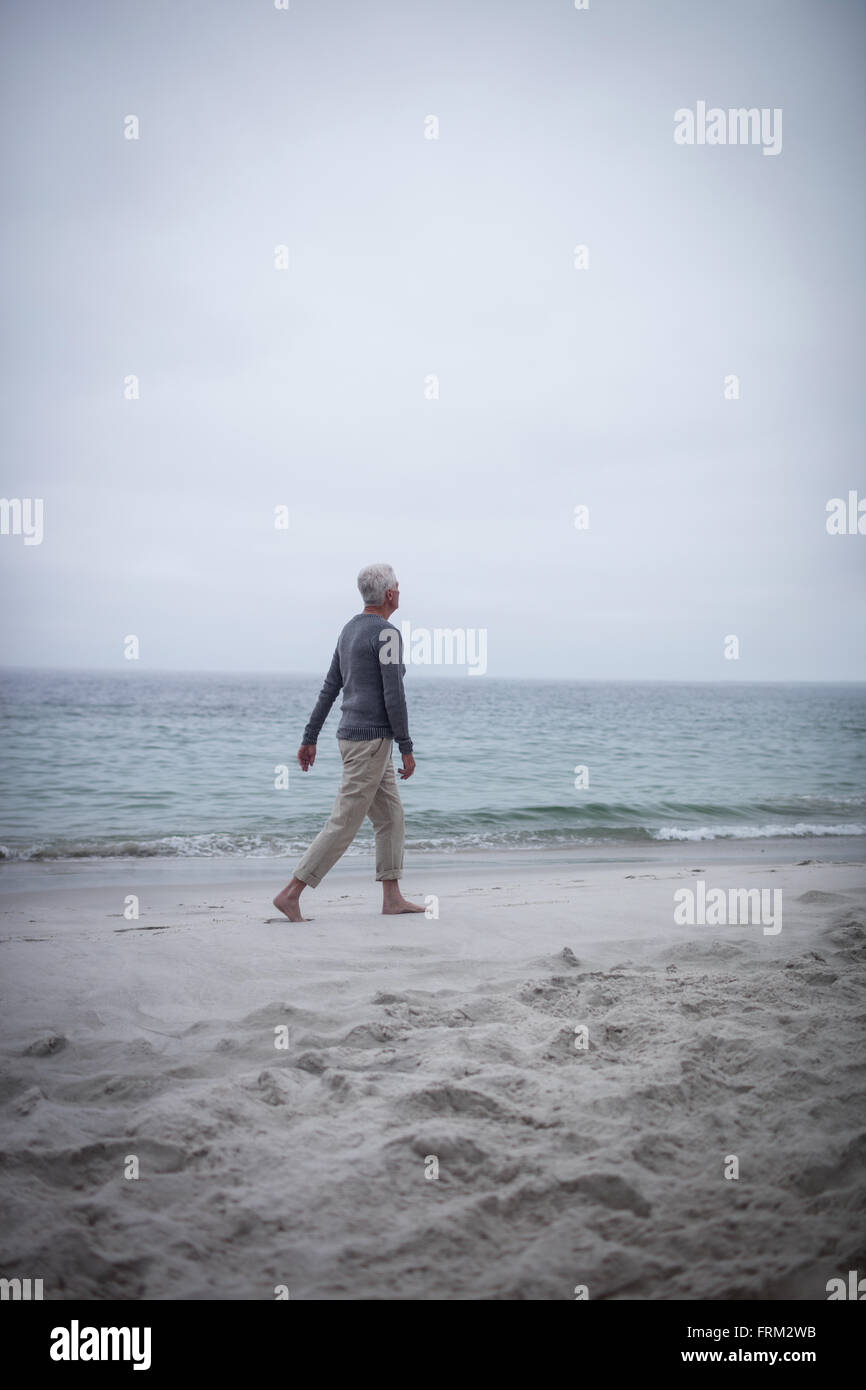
(288, 1091)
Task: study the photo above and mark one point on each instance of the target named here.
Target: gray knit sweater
(374, 703)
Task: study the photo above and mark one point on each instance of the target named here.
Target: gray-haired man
(368, 666)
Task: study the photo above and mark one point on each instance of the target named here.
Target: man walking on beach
(368, 666)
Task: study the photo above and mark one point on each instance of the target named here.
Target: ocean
(139, 764)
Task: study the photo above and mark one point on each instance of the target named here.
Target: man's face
(395, 594)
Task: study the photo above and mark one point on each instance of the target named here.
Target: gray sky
(454, 257)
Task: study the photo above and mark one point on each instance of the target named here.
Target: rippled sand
(410, 1040)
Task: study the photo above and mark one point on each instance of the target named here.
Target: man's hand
(408, 766)
(306, 756)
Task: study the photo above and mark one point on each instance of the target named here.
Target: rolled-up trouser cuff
(309, 878)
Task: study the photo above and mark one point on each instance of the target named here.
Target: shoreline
(19, 877)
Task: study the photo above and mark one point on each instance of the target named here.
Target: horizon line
(458, 674)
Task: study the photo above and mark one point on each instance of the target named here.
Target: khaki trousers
(368, 788)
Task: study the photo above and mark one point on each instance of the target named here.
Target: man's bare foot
(392, 905)
(288, 902)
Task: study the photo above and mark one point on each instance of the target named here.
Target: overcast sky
(410, 257)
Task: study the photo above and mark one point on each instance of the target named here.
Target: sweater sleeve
(330, 690)
(395, 696)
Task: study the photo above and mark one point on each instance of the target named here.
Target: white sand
(455, 1038)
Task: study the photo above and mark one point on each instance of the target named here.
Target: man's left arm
(331, 687)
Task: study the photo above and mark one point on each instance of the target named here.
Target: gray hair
(374, 580)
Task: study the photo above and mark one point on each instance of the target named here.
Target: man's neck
(384, 611)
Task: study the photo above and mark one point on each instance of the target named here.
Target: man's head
(379, 588)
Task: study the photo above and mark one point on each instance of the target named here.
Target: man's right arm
(392, 690)
(331, 688)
